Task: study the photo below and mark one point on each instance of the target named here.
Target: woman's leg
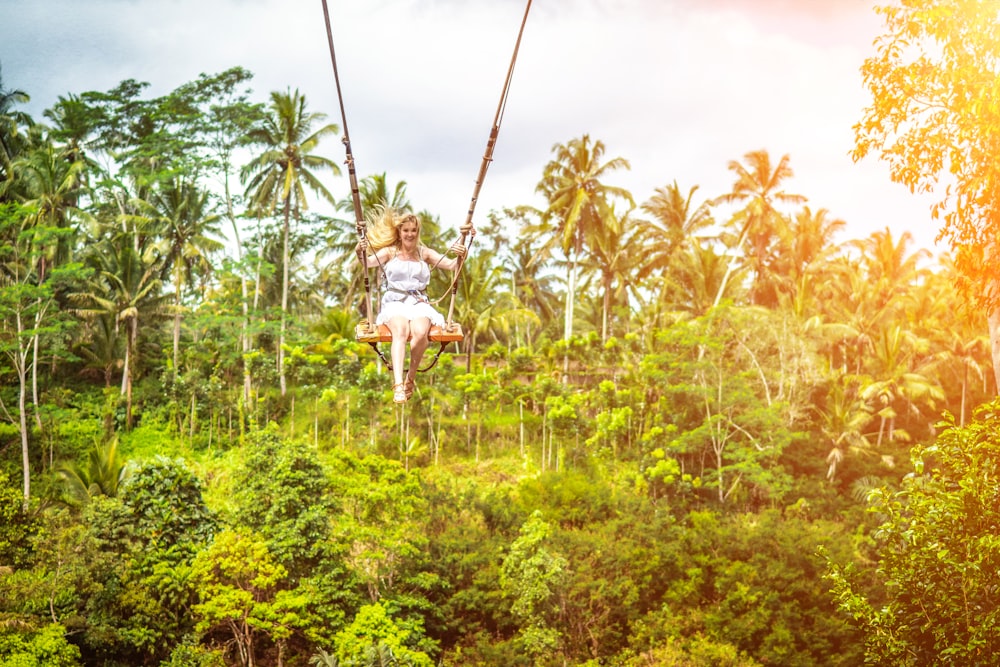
(419, 328)
(400, 328)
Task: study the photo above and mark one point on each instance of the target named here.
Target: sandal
(399, 394)
(409, 386)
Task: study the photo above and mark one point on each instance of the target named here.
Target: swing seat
(437, 334)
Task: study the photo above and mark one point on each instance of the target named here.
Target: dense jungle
(683, 428)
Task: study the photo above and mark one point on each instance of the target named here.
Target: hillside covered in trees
(683, 428)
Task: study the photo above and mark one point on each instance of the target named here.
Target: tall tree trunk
(718, 466)
(128, 360)
(34, 366)
(131, 328)
(965, 387)
(256, 303)
(570, 307)
(34, 345)
(244, 300)
(731, 263)
(605, 307)
(570, 298)
(284, 299)
(22, 400)
(177, 322)
(993, 320)
(19, 357)
(259, 269)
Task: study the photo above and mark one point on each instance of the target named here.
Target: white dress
(405, 293)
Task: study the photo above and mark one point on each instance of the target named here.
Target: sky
(679, 88)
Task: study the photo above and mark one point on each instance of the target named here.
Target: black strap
(388, 363)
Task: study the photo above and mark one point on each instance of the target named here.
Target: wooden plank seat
(438, 334)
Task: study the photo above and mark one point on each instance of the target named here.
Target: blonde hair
(383, 226)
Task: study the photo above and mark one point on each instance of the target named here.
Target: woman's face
(409, 232)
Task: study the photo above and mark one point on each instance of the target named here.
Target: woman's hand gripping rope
(459, 247)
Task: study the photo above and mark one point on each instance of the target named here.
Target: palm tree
(955, 329)
(966, 359)
(899, 379)
(278, 176)
(189, 225)
(702, 279)
(50, 185)
(806, 248)
(379, 655)
(374, 191)
(843, 422)
(531, 283)
(811, 238)
(103, 474)
(527, 262)
(485, 306)
(324, 659)
(301, 297)
(73, 121)
(231, 122)
(675, 224)
(579, 203)
(891, 271)
(9, 122)
(335, 324)
(126, 285)
(870, 293)
(100, 345)
(617, 257)
(758, 189)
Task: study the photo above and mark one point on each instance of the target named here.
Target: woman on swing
(394, 238)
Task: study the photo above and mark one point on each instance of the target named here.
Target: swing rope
(359, 218)
(467, 229)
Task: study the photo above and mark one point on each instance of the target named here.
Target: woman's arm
(371, 261)
(433, 257)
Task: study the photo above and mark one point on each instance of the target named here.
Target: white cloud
(678, 87)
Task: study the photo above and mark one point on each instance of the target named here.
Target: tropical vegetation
(682, 429)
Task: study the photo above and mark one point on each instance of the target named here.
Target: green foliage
(239, 588)
(378, 510)
(531, 577)
(16, 525)
(569, 499)
(725, 420)
(59, 576)
(938, 555)
(164, 500)
(140, 601)
(288, 505)
(699, 652)
(46, 647)
(71, 419)
(617, 569)
(653, 498)
(189, 653)
(291, 507)
(373, 639)
(104, 472)
(746, 582)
